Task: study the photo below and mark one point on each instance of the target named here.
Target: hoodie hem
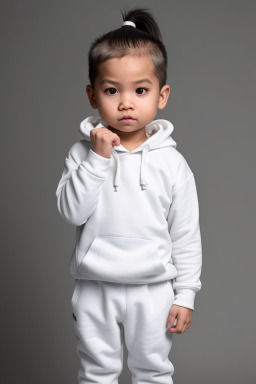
(170, 273)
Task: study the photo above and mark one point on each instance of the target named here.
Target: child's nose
(126, 102)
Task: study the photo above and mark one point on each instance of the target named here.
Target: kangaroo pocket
(121, 259)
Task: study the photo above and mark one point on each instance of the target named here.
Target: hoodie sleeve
(81, 182)
(184, 228)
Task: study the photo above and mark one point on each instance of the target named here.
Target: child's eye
(106, 90)
(146, 89)
(112, 91)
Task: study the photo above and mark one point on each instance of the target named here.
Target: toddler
(132, 197)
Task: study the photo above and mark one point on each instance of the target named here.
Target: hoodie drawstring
(117, 176)
(143, 168)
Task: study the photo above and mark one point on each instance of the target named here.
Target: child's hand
(184, 317)
(103, 140)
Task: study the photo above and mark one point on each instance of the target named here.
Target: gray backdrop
(211, 48)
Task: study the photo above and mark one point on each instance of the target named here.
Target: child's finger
(172, 320)
(179, 325)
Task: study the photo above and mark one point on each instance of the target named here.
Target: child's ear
(163, 96)
(91, 96)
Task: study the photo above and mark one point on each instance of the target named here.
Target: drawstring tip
(143, 187)
(115, 186)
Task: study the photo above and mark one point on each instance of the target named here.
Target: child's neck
(131, 140)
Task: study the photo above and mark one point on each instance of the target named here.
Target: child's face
(120, 90)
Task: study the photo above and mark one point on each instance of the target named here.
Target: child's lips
(127, 119)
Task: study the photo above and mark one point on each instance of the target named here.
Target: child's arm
(84, 174)
(184, 229)
(81, 182)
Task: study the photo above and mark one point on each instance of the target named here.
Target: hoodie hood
(159, 136)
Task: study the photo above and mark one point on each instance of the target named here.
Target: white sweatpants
(99, 308)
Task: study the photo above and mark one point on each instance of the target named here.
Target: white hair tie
(130, 23)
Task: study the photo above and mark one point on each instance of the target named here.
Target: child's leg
(98, 307)
(147, 339)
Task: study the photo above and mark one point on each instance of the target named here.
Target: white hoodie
(136, 213)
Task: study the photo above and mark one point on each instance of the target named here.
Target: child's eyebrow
(134, 82)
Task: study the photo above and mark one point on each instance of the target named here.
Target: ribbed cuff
(185, 297)
(96, 165)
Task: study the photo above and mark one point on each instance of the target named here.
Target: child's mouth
(127, 118)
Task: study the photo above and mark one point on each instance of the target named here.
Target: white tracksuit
(137, 241)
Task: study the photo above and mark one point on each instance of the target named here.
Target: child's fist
(103, 140)
(184, 317)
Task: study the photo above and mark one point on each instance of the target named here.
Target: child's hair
(144, 39)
